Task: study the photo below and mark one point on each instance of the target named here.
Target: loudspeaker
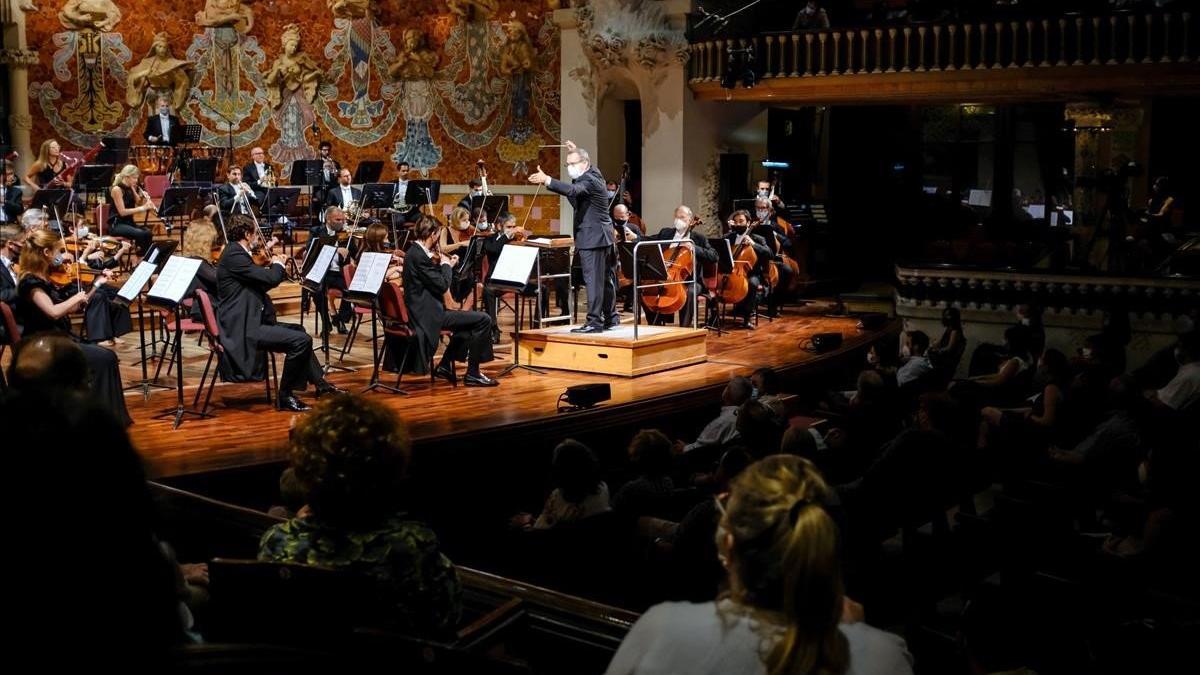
(872, 320)
(824, 342)
(587, 395)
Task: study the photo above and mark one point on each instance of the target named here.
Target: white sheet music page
(316, 273)
(515, 264)
(368, 277)
(175, 278)
(137, 281)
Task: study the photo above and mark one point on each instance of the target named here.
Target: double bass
(670, 298)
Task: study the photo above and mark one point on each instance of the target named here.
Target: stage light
(769, 164)
(583, 396)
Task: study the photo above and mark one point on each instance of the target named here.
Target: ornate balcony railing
(1061, 45)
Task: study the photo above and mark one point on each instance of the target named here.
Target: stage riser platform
(615, 352)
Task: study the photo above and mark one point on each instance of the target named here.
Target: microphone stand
(228, 127)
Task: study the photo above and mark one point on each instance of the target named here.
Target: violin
(261, 253)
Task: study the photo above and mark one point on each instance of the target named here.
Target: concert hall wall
(491, 95)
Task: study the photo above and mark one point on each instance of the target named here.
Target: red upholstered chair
(360, 312)
(187, 326)
(212, 331)
(394, 317)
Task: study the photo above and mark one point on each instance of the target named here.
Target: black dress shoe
(342, 329)
(293, 404)
(588, 329)
(327, 388)
(446, 373)
(479, 380)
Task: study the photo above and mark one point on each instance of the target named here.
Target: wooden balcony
(998, 61)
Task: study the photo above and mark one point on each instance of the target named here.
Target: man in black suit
(163, 128)
(11, 205)
(10, 251)
(474, 189)
(703, 252)
(254, 171)
(249, 326)
(343, 193)
(425, 285)
(237, 198)
(589, 197)
(334, 221)
(738, 238)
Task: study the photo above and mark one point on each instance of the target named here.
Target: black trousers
(745, 308)
(472, 335)
(600, 277)
(105, 380)
(104, 319)
(140, 235)
(300, 365)
(345, 310)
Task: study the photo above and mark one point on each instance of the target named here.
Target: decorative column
(17, 58)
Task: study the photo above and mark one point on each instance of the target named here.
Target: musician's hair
(475, 183)
(43, 157)
(743, 213)
(689, 209)
(403, 162)
(325, 144)
(506, 219)
(232, 168)
(458, 214)
(763, 201)
(198, 238)
(583, 155)
(425, 227)
(161, 98)
(330, 211)
(125, 172)
(32, 217)
(239, 228)
(374, 238)
(32, 261)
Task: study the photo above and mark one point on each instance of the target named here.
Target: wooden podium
(614, 352)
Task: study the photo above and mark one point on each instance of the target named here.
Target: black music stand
(306, 172)
(190, 134)
(93, 179)
(422, 192)
(516, 282)
(492, 206)
(179, 203)
(201, 169)
(368, 171)
(279, 203)
(376, 196)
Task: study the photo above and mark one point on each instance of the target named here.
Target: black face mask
(619, 223)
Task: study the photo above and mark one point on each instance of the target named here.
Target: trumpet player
(127, 201)
(258, 171)
(236, 196)
(330, 168)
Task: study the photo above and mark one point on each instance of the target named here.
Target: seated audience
(759, 429)
(1111, 453)
(917, 368)
(1009, 383)
(1182, 392)
(722, 430)
(948, 352)
(649, 494)
(782, 612)
(696, 572)
(578, 491)
(349, 456)
(768, 390)
(1035, 425)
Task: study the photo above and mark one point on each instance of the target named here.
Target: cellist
(739, 236)
(683, 229)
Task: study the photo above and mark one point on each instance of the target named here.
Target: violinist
(508, 232)
(104, 319)
(427, 277)
(457, 237)
(375, 240)
(343, 194)
(237, 198)
(683, 230)
(126, 201)
(200, 242)
(249, 326)
(11, 205)
(42, 308)
(98, 253)
(332, 233)
(739, 235)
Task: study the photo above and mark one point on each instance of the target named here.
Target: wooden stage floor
(247, 431)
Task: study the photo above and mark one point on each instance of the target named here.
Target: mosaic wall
(440, 84)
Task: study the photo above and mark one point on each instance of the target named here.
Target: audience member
(649, 494)
(917, 368)
(349, 455)
(578, 493)
(948, 352)
(785, 601)
(758, 428)
(768, 390)
(722, 430)
(1182, 392)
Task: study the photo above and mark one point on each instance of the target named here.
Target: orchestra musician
(375, 240)
(767, 223)
(104, 320)
(766, 190)
(127, 200)
(343, 194)
(11, 205)
(46, 170)
(199, 242)
(427, 277)
(163, 128)
(44, 309)
(330, 168)
(11, 240)
(249, 326)
(408, 213)
(624, 229)
(256, 171)
(237, 198)
(329, 233)
(593, 231)
(739, 234)
(683, 230)
(474, 189)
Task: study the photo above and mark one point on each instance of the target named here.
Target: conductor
(589, 197)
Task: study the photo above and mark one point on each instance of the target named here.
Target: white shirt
(164, 121)
(913, 369)
(3, 195)
(718, 432)
(239, 199)
(261, 169)
(8, 268)
(683, 637)
(347, 195)
(333, 262)
(1184, 388)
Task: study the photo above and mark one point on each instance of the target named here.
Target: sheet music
(316, 273)
(175, 278)
(137, 281)
(368, 277)
(540, 241)
(515, 264)
(152, 258)
(1036, 211)
(979, 198)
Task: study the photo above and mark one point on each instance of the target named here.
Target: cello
(735, 286)
(671, 297)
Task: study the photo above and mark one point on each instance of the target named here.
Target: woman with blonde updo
(127, 200)
(784, 611)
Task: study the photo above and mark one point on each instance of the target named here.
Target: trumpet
(267, 180)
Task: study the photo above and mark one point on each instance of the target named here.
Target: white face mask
(762, 214)
(81, 232)
(575, 171)
(463, 224)
(680, 224)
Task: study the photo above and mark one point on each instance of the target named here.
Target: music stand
(514, 268)
(132, 290)
(306, 172)
(114, 152)
(418, 193)
(368, 171)
(377, 196)
(168, 292)
(54, 201)
(93, 179)
(492, 206)
(191, 133)
(280, 202)
(201, 169)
